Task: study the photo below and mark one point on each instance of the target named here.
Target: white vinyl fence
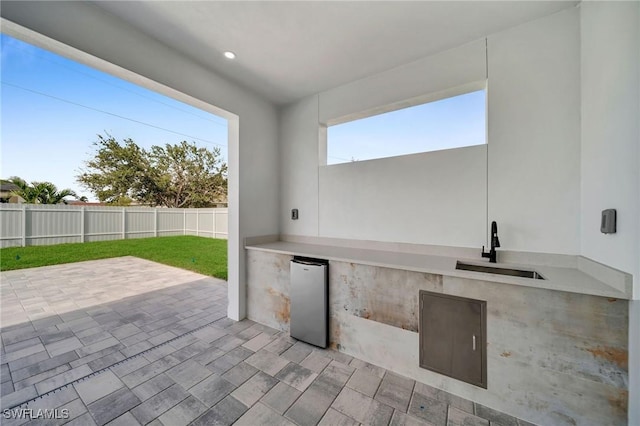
(41, 224)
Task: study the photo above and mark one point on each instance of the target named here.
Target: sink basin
(501, 271)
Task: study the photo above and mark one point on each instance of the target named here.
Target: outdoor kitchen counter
(571, 280)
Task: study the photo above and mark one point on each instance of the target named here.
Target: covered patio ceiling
(289, 50)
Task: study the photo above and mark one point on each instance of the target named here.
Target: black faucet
(495, 242)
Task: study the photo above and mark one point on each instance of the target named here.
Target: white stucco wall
(439, 73)
(534, 134)
(533, 151)
(437, 197)
(88, 34)
(610, 153)
(610, 63)
(299, 159)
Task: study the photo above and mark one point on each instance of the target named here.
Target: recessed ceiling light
(229, 55)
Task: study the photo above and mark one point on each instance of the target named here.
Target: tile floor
(126, 341)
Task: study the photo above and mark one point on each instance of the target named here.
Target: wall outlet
(608, 221)
(294, 214)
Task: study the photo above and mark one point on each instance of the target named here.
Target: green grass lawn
(206, 256)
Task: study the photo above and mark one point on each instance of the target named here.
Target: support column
(237, 288)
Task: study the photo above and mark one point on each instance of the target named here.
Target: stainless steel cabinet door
(453, 337)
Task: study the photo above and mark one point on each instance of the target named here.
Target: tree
(115, 173)
(40, 192)
(184, 175)
(180, 175)
(25, 191)
(48, 193)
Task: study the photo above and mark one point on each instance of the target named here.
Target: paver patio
(127, 341)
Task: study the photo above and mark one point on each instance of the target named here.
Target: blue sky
(46, 139)
(448, 123)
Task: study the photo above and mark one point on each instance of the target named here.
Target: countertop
(570, 280)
